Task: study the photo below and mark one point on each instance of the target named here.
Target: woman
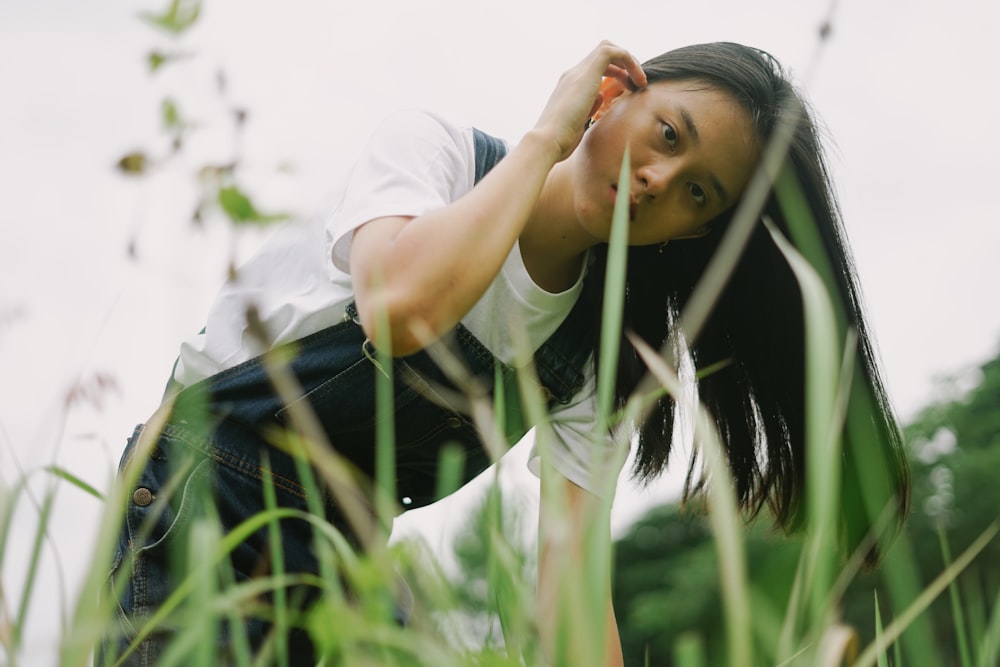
(427, 245)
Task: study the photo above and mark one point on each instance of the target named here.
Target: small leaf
(157, 59)
(133, 164)
(181, 15)
(171, 117)
(240, 209)
(237, 206)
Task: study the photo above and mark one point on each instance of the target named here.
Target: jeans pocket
(160, 505)
(172, 489)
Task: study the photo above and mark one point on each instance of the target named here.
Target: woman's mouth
(632, 205)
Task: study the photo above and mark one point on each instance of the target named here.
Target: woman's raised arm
(426, 272)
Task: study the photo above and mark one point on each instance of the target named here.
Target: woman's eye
(697, 193)
(669, 135)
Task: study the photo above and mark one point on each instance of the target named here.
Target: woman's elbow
(398, 325)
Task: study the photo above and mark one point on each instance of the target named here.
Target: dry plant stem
(723, 513)
(706, 293)
(719, 269)
(480, 407)
(838, 646)
(333, 467)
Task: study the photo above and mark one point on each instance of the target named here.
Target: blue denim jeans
(213, 455)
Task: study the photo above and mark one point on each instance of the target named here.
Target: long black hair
(757, 326)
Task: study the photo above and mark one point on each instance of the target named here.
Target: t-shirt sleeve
(415, 162)
(578, 452)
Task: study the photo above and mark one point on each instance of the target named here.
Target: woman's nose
(653, 178)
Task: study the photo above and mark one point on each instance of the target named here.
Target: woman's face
(693, 148)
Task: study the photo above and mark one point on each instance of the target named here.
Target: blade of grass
(905, 584)
(488, 414)
(590, 617)
(883, 659)
(67, 476)
(277, 566)
(989, 650)
(614, 296)
(451, 463)
(211, 558)
(552, 511)
(89, 624)
(790, 630)
(204, 535)
(689, 651)
(33, 564)
(868, 657)
(745, 218)
(961, 638)
(977, 606)
(353, 501)
(291, 442)
(866, 470)
(239, 641)
(8, 505)
(822, 444)
(385, 429)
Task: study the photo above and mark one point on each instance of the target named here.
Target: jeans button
(547, 393)
(454, 422)
(142, 496)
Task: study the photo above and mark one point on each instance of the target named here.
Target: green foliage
(241, 210)
(180, 16)
(666, 586)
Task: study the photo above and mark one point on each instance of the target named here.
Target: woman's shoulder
(420, 129)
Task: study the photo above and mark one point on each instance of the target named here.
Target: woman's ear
(611, 89)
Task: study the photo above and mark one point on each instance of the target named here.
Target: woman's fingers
(576, 97)
(622, 75)
(621, 65)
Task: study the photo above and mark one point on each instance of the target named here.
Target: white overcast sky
(907, 91)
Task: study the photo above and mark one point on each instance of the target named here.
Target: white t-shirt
(300, 282)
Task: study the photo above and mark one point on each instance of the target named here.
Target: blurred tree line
(666, 581)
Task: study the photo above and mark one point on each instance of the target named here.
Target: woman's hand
(577, 95)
